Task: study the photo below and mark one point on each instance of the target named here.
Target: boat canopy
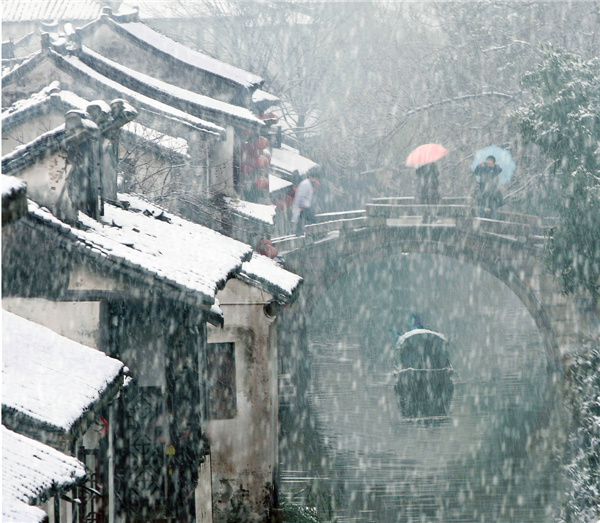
(422, 349)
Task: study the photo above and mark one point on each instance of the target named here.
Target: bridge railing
(399, 211)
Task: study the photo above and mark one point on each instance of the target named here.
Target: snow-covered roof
(29, 153)
(258, 211)
(269, 275)
(288, 160)
(48, 377)
(183, 255)
(90, 78)
(277, 184)
(140, 100)
(14, 199)
(21, 106)
(260, 97)
(141, 32)
(167, 9)
(207, 105)
(176, 145)
(263, 100)
(11, 186)
(31, 470)
(50, 10)
(69, 100)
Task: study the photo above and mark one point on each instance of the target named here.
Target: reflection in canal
(494, 458)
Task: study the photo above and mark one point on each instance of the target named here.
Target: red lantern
(261, 162)
(261, 183)
(261, 143)
(250, 150)
(247, 169)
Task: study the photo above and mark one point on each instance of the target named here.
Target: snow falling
(293, 261)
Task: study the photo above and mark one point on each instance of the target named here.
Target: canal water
(346, 448)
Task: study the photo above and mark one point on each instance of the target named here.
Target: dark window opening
(222, 402)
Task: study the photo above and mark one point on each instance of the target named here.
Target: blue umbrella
(503, 159)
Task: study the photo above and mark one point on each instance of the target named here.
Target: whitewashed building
(59, 393)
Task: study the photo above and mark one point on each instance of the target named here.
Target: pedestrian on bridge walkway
(428, 183)
(487, 173)
(302, 212)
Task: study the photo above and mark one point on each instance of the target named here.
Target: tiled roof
(288, 161)
(14, 199)
(257, 211)
(265, 273)
(50, 10)
(31, 470)
(91, 79)
(52, 95)
(29, 153)
(166, 9)
(49, 378)
(277, 184)
(143, 33)
(185, 256)
(207, 106)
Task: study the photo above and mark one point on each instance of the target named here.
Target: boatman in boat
(415, 322)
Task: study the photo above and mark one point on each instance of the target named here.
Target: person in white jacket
(302, 211)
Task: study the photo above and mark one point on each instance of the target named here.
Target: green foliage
(563, 120)
(583, 500)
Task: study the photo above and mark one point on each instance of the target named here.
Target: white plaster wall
(78, 321)
(46, 180)
(244, 449)
(81, 278)
(221, 161)
(203, 493)
(39, 78)
(30, 130)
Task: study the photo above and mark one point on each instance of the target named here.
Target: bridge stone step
(398, 210)
(502, 227)
(336, 225)
(343, 215)
(411, 200)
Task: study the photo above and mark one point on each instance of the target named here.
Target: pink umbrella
(424, 154)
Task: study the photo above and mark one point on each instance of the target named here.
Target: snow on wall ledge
(31, 469)
(258, 211)
(289, 160)
(48, 377)
(11, 185)
(263, 268)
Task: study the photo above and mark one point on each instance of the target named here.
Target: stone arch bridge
(510, 248)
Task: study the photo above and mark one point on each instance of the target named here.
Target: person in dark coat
(428, 184)
(486, 173)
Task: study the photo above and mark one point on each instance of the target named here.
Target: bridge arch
(514, 263)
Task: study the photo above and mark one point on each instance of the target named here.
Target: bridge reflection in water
(493, 459)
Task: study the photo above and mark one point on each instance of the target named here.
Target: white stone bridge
(510, 248)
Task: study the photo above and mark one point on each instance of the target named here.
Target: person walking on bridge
(486, 173)
(428, 183)
(302, 212)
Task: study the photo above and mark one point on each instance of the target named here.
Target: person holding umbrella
(428, 184)
(492, 166)
(487, 173)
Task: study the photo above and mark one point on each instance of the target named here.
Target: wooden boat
(423, 374)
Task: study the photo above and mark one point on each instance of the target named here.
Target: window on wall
(221, 381)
